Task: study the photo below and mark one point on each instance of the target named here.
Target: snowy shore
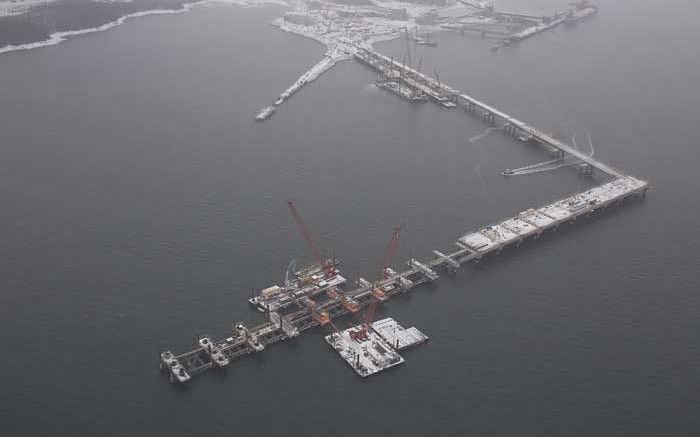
(58, 37)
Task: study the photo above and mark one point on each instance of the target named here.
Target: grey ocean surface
(141, 202)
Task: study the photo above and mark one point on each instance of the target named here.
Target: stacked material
(364, 350)
(398, 336)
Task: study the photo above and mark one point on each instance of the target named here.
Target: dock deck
(397, 336)
(367, 355)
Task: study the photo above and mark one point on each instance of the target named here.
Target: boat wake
(590, 142)
(541, 168)
(476, 138)
(551, 164)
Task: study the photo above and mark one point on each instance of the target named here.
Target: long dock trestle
(512, 231)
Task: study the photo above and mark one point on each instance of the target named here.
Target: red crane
(390, 251)
(377, 293)
(371, 309)
(327, 267)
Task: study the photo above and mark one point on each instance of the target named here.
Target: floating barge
(367, 353)
(402, 90)
(305, 284)
(397, 336)
(372, 350)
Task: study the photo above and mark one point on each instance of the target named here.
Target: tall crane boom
(408, 47)
(378, 293)
(369, 315)
(305, 232)
(390, 251)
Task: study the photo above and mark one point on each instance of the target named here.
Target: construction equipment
(369, 315)
(377, 291)
(333, 293)
(322, 317)
(390, 251)
(350, 304)
(327, 266)
(378, 295)
(361, 333)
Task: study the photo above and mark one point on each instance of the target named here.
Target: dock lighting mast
(327, 267)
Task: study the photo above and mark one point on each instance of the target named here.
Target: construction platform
(287, 321)
(365, 351)
(397, 336)
(370, 350)
(305, 284)
(472, 246)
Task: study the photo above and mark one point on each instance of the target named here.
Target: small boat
(406, 92)
(424, 41)
(507, 172)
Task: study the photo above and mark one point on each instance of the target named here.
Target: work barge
(291, 321)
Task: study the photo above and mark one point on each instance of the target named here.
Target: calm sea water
(141, 202)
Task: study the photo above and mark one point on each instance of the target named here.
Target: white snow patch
(58, 37)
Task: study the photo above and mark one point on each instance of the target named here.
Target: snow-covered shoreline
(342, 29)
(335, 53)
(58, 37)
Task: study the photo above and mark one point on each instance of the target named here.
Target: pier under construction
(289, 309)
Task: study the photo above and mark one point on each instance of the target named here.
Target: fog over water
(142, 202)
